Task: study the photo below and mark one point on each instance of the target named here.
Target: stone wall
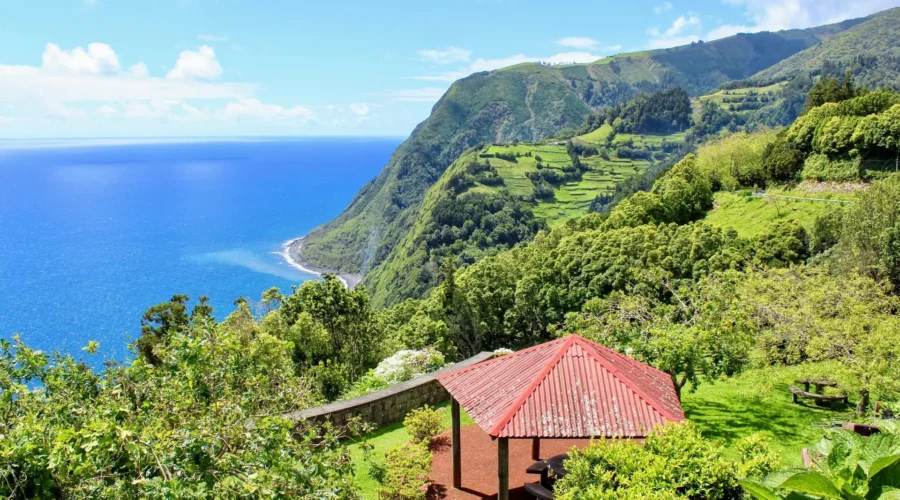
(387, 406)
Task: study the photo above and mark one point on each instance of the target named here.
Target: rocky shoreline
(293, 254)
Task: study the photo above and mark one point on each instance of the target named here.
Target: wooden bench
(820, 383)
(538, 491)
(831, 400)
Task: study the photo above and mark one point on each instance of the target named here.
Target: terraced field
(745, 99)
(571, 199)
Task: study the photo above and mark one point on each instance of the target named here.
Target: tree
(832, 90)
(698, 333)
(869, 234)
(346, 316)
(159, 322)
(177, 428)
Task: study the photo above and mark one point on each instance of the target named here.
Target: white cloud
(578, 42)
(139, 70)
(675, 34)
(663, 8)
(199, 65)
(255, 108)
(446, 56)
(360, 108)
(107, 111)
(99, 58)
(775, 15)
(28, 83)
(678, 26)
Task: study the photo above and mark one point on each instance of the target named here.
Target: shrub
(407, 364)
(402, 366)
(675, 462)
(406, 472)
(423, 424)
(826, 231)
(785, 243)
(783, 160)
(819, 167)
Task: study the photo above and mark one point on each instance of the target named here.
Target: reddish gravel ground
(479, 464)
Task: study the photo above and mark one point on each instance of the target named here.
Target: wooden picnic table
(820, 383)
(543, 490)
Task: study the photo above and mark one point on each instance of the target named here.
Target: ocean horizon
(93, 232)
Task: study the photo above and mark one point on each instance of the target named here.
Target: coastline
(291, 251)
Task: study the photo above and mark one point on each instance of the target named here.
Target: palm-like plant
(847, 466)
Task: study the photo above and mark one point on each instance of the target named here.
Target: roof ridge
(634, 387)
(491, 361)
(510, 412)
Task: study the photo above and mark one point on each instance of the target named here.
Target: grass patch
(385, 439)
(597, 136)
(751, 216)
(759, 401)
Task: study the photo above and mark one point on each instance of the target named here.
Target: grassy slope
(401, 273)
(752, 216)
(759, 401)
(526, 102)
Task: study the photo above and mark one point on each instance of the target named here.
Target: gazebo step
(539, 491)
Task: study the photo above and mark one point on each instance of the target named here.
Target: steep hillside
(497, 196)
(871, 50)
(527, 102)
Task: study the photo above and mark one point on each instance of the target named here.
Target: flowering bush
(406, 364)
(402, 366)
(406, 472)
(423, 424)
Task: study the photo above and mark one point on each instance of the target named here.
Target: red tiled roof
(567, 388)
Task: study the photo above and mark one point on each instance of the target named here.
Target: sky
(194, 68)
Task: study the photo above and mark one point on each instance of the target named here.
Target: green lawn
(759, 401)
(752, 216)
(383, 440)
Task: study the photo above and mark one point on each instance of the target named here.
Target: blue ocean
(93, 233)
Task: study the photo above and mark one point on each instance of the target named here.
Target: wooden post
(535, 448)
(503, 469)
(457, 451)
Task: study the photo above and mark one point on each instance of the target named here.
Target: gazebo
(566, 388)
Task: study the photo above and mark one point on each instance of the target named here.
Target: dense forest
(660, 113)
